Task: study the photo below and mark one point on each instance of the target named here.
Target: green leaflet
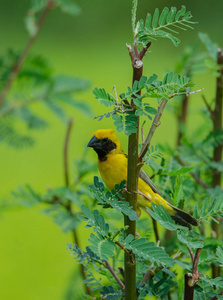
(160, 215)
(164, 25)
(219, 254)
(185, 239)
(147, 250)
(101, 247)
(112, 199)
(95, 219)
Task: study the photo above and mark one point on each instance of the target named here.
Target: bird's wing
(147, 180)
(181, 217)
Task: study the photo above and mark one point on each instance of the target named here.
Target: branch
(217, 153)
(122, 247)
(155, 228)
(215, 297)
(68, 205)
(196, 178)
(144, 50)
(182, 118)
(18, 65)
(112, 271)
(155, 124)
(66, 171)
(132, 184)
(208, 107)
(132, 178)
(152, 272)
(192, 278)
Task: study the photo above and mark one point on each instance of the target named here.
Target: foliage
(147, 251)
(32, 80)
(162, 24)
(124, 118)
(112, 199)
(183, 173)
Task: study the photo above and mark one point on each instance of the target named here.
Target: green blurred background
(34, 262)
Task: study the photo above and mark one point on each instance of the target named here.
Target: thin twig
(191, 254)
(121, 246)
(155, 229)
(196, 178)
(215, 297)
(144, 50)
(112, 271)
(18, 65)
(67, 138)
(68, 205)
(152, 272)
(142, 134)
(208, 106)
(155, 124)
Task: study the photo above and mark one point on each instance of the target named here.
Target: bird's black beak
(94, 143)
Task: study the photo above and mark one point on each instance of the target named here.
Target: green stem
(132, 181)
(132, 186)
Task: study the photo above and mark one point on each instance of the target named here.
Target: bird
(113, 165)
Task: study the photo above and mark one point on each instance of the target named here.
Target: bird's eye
(105, 140)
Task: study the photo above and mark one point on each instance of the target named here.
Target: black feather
(181, 217)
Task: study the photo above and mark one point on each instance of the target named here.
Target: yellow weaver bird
(112, 164)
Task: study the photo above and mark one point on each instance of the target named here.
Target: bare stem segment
(217, 155)
(132, 179)
(68, 205)
(192, 278)
(155, 124)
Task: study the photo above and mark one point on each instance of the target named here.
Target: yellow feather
(113, 171)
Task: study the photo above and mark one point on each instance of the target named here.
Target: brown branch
(217, 153)
(18, 65)
(132, 184)
(152, 272)
(191, 254)
(155, 124)
(132, 179)
(144, 50)
(182, 118)
(122, 247)
(192, 278)
(112, 271)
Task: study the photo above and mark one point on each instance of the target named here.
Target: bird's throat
(102, 155)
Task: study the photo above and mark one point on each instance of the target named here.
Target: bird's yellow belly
(114, 170)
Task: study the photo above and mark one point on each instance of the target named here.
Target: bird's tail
(178, 215)
(183, 218)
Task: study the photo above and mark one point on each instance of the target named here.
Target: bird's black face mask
(101, 146)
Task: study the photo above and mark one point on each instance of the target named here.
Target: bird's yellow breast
(113, 171)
